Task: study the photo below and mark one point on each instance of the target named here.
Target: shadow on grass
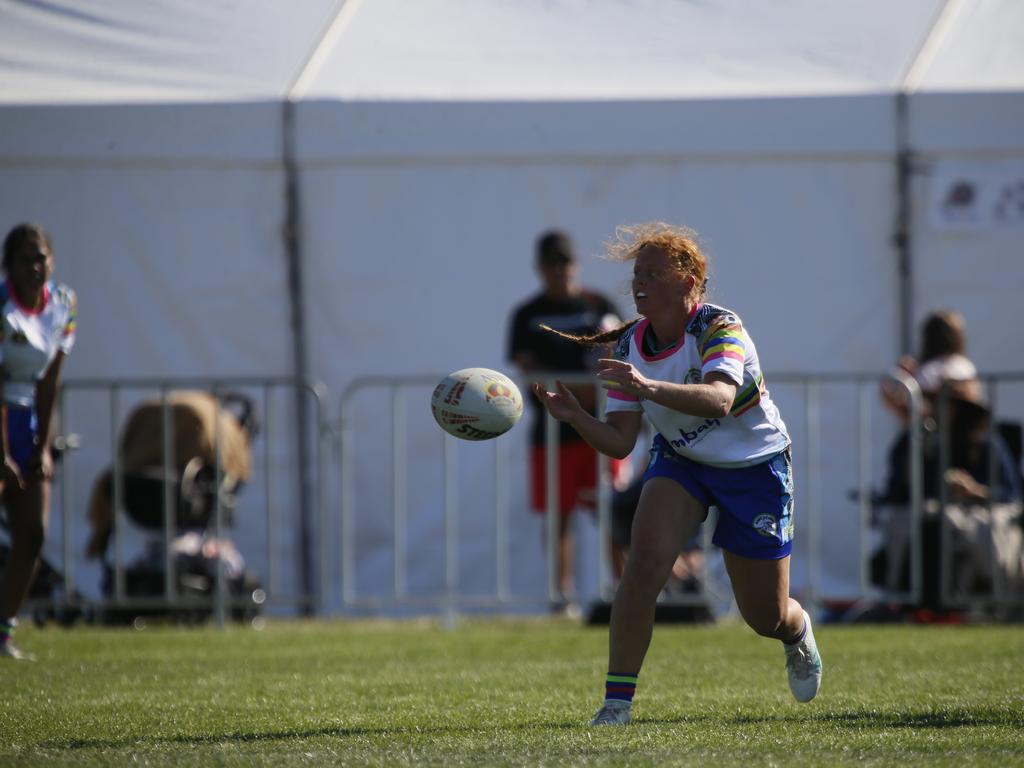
(854, 720)
(858, 719)
(293, 734)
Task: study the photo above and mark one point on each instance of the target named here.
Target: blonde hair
(680, 244)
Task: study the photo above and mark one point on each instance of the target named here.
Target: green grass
(505, 693)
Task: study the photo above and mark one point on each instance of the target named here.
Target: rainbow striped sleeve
(748, 397)
(723, 340)
(72, 322)
(67, 332)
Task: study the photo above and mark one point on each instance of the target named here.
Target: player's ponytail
(595, 339)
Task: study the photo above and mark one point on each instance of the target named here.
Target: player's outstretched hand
(620, 375)
(562, 404)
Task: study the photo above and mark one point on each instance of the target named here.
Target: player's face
(31, 266)
(656, 281)
(558, 276)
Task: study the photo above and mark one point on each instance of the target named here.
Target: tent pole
(902, 233)
(343, 14)
(300, 362)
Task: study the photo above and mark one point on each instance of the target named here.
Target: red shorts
(577, 480)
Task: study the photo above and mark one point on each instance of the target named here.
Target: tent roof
(505, 77)
(123, 51)
(467, 50)
(118, 51)
(978, 47)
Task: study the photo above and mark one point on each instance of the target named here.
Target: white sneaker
(613, 712)
(804, 665)
(9, 650)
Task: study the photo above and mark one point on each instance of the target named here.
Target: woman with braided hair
(692, 369)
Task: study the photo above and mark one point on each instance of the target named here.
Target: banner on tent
(977, 196)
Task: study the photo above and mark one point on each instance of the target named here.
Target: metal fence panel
(92, 417)
(426, 521)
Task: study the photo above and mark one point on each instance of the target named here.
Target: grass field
(505, 693)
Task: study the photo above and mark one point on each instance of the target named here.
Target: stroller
(191, 480)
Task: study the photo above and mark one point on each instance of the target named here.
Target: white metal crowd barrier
(451, 597)
(815, 461)
(325, 571)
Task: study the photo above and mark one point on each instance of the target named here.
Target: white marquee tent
(430, 141)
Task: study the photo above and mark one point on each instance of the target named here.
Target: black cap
(554, 247)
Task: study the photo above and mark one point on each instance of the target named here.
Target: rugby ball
(476, 404)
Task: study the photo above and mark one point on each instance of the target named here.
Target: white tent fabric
(147, 136)
(968, 90)
(433, 140)
(461, 50)
(966, 107)
(158, 51)
(977, 49)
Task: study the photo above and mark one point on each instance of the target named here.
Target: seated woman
(980, 470)
(943, 358)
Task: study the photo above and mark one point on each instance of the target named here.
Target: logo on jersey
(766, 525)
(689, 438)
(693, 376)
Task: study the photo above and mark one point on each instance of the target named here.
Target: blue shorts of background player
(22, 435)
(755, 503)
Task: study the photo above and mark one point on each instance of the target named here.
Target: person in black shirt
(565, 306)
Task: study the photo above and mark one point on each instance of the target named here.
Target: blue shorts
(22, 429)
(755, 504)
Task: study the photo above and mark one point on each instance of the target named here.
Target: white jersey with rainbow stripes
(714, 341)
(31, 338)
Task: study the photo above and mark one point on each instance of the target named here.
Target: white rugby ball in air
(476, 404)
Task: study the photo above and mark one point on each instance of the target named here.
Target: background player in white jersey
(693, 370)
(37, 330)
